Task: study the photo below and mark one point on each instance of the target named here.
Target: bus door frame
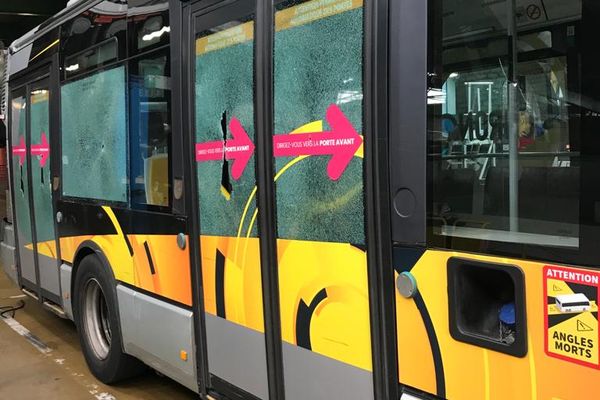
(408, 136)
(265, 193)
(379, 26)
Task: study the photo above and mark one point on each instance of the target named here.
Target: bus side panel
(158, 333)
(231, 280)
(156, 320)
(8, 253)
(489, 374)
(328, 304)
(149, 261)
(234, 310)
(324, 308)
(161, 269)
(324, 299)
(325, 325)
(231, 276)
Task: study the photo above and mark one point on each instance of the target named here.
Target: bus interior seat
(545, 194)
(457, 189)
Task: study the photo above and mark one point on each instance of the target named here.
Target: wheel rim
(96, 320)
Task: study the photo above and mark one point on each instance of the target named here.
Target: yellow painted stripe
(252, 221)
(114, 220)
(225, 193)
(255, 214)
(532, 371)
(241, 226)
(281, 172)
(39, 98)
(57, 41)
(486, 373)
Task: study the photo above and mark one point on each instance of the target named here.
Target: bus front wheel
(97, 320)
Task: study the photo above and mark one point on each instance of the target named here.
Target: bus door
(222, 66)
(32, 186)
(317, 173)
(318, 136)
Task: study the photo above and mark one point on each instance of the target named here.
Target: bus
(315, 199)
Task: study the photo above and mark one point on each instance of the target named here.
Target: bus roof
(73, 8)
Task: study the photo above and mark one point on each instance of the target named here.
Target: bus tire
(97, 320)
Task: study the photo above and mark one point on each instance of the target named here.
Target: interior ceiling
(19, 16)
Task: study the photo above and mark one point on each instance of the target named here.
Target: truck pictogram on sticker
(571, 315)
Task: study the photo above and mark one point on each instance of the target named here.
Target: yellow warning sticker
(225, 38)
(301, 14)
(311, 11)
(571, 315)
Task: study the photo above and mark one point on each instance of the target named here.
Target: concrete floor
(56, 369)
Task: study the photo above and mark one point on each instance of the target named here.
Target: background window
(505, 124)
(149, 23)
(95, 38)
(94, 136)
(150, 129)
(91, 58)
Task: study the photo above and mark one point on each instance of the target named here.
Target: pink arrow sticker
(239, 149)
(42, 150)
(341, 143)
(20, 150)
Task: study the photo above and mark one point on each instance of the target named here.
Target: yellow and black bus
(315, 199)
